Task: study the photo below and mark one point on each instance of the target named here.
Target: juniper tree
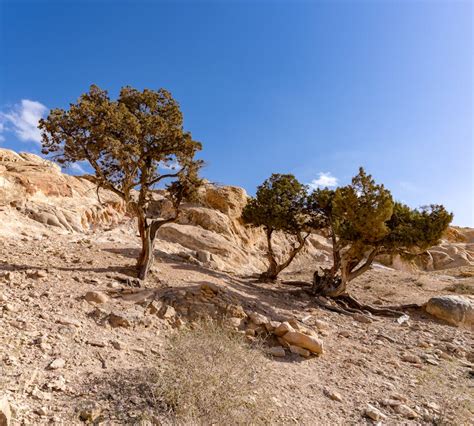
(363, 221)
(279, 205)
(133, 144)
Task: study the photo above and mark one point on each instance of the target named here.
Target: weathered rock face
(456, 310)
(212, 231)
(34, 188)
(229, 200)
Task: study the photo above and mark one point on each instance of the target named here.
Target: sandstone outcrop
(34, 190)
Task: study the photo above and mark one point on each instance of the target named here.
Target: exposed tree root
(412, 306)
(355, 304)
(348, 305)
(323, 304)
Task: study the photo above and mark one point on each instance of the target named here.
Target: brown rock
(38, 274)
(374, 413)
(153, 308)
(405, 411)
(210, 288)
(456, 310)
(117, 344)
(413, 359)
(271, 326)
(283, 342)
(258, 319)
(96, 297)
(56, 364)
(167, 312)
(118, 320)
(300, 351)
(335, 396)
(276, 351)
(282, 329)
(304, 341)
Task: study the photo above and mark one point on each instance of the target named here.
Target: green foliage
(364, 214)
(126, 141)
(278, 205)
(416, 228)
(361, 209)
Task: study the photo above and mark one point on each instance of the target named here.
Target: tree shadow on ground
(15, 267)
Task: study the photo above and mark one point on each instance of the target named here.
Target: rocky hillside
(36, 196)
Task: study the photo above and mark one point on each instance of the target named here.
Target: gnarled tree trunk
(333, 282)
(148, 229)
(274, 268)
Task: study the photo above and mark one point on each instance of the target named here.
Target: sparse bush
(211, 376)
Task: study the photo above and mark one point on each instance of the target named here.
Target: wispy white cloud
(324, 180)
(22, 119)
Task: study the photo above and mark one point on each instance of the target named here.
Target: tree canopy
(363, 221)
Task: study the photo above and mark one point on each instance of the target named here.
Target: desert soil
(422, 364)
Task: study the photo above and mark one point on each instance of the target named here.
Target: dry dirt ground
(422, 364)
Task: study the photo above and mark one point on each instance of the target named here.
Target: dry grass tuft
(212, 376)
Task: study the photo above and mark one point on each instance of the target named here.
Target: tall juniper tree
(363, 221)
(279, 205)
(133, 144)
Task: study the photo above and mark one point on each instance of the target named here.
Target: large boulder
(456, 310)
(302, 340)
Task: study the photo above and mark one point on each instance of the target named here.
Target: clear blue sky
(303, 87)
